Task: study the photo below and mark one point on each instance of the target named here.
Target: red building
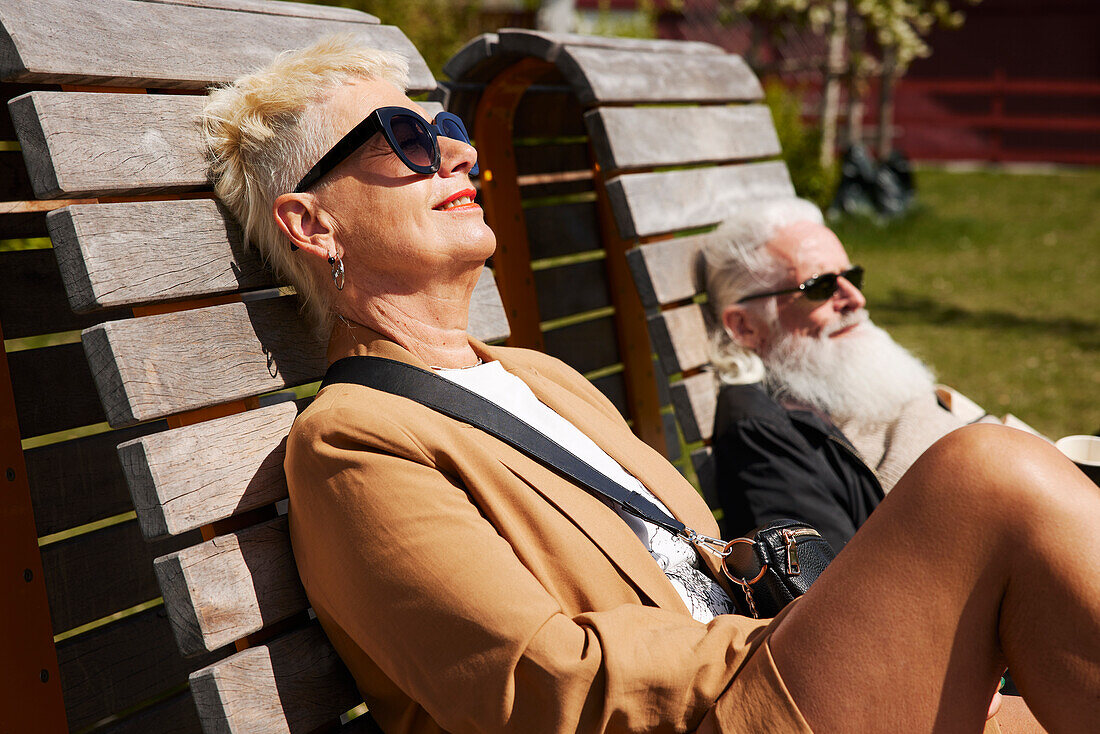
(1020, 81)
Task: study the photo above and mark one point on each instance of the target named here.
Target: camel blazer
(470, 589)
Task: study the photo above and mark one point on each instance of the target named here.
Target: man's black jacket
(773, 463)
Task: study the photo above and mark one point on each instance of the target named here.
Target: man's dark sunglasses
(409, 135)
(820, 287)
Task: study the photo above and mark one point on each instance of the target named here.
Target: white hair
(266, 129)
(737, 265)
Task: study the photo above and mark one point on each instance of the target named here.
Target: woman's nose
(455, 156)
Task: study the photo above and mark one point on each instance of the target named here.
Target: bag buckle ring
(717, 546)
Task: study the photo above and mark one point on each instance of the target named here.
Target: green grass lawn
(994, 280)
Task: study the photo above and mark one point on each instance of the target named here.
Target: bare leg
(986, 554)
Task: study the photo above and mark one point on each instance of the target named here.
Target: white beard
(862, 375)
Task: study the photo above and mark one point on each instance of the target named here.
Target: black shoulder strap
(455, 401)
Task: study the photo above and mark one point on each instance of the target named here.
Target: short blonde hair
(265, 130)
(738, 264)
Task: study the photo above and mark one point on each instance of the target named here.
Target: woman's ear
(305, 224)
(745, 327)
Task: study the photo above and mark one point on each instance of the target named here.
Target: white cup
(1084, 451)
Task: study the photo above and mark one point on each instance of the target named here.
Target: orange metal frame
(30, 685)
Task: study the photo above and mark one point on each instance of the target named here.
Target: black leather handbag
(775, 564)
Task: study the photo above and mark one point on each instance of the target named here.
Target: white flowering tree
(898, 29)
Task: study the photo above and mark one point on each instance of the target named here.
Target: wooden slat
(547, 46)
(114, 255)
(77, 482)
(614, 76)
(614, 389)
(640, 137)
(552, 158)
(15, 185)
(293, 684)
(539, 187)
(571, 289)
(159, 365)
(548, 114)
(122, 664)
(96, 574)
(174, 715)
(562, 229)
(151, 44)
(668, 271)
(231, 586)
(17, 225)
(695, 400)
(702, 460)
(586, 346)
(679, 337)
(150, 367)
(94, 144)
(192, 476)
(654, 203)
(488, 321)
(54, 390)
(470, 57)
(672, 437)
(32, 297)
(297, 10)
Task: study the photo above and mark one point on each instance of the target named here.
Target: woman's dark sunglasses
(820, 287)
(410, 136)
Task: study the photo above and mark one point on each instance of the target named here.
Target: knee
(998, 472)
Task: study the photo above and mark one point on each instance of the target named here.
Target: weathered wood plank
(32, 297)
(613, 388)
(94, 144)
(290, 685)
(119, 665)
(188, 477)
(548, 113)
(266, 7)
(15, 184)
(174, 715)
(77, 482)
(548, 46)
(126, 43)
(552, 158)
(96, 574)
(641, 137)
(668, 271)
(154, 366)
(562, 229)
(477, 51)
(618, 76)
(113, 255)
(231, 586)
(488, 320)
(585, 346)
(654, 203)
(679, 337)
(571, 289)
(702, 460)
(54, 390)
(695, 400)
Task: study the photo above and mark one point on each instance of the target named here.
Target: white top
(676, 557)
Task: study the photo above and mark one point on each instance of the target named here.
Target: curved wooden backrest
(612, 155)
(181, 323)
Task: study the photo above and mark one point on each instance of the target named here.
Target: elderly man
(820, 411)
